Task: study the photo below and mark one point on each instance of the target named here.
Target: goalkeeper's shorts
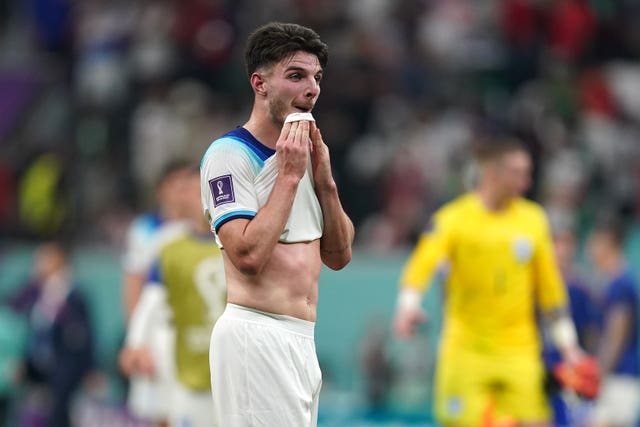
(467, 383)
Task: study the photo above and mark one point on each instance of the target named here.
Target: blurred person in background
(145, 236)
(495, 249)
(187, 277)
(142, 235)
(378, 369)
(619, 400)
(566, 409)
(12, 345)
(269, 193)
(59, 350)
(43, 196)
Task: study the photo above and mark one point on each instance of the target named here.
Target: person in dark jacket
(59, 350)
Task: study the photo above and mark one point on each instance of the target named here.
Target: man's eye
(295, 76)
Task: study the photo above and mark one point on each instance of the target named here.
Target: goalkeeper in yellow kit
(496, 251)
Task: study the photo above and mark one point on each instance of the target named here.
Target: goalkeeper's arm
(578, 371)
(563, 334)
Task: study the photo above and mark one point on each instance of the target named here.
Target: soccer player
(496, 252)
(568, 410)
(273, 205)
(142, 235)
(619, 399)
(188, 277)
(146, 395)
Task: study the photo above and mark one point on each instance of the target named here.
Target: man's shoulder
(626, 280)
(531, 210)
(577, 287)
(238, 142)
(528, 206)
(172, 232)
(76, 304)
(227, 141)
(147, 222)
(142, 230)
(457, 206)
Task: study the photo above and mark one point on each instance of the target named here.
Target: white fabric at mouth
(296, 117)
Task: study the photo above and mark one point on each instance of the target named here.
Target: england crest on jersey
(522, 249)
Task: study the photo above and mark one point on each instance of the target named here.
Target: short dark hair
(170, 168)
(276, 41)
(496, 148)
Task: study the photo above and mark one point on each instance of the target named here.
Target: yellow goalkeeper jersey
(498, 267)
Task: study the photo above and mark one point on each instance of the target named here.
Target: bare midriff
(288, 284)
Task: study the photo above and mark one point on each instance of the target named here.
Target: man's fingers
(125, 361)
(404, 330)
(316, 136)
(298, 134)
(406, 322)
(286, 129)
(403, 326)
(293, 129)
(302, 132)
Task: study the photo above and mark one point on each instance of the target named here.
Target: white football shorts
(264, 370)
(618, 401)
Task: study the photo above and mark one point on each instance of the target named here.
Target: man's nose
(313, 88)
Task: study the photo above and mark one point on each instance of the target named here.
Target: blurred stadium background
(97, 95)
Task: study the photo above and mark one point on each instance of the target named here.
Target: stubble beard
(277, 112)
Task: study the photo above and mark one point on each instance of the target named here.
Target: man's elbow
(249, 264)
(338, 261)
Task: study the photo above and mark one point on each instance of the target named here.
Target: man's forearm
(338, 233)
(133, 283)
(562, 330)
(616, 331)
(250, 248)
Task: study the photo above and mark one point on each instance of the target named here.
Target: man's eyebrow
(297, 68)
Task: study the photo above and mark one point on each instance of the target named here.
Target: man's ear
(259, 84)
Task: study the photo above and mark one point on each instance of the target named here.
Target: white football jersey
(237, 175)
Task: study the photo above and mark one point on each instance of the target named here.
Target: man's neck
(263, 128)
(492, 201)
(613, 266)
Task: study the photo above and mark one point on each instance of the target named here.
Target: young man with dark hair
(146, 395)
(495, 249)
(186, 284)
(269, 194)
(617, 405)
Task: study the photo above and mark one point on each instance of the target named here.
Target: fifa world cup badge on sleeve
(222, 190)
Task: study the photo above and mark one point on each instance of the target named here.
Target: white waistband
(289, 323)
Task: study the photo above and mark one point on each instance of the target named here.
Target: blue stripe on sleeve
(232, 215)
